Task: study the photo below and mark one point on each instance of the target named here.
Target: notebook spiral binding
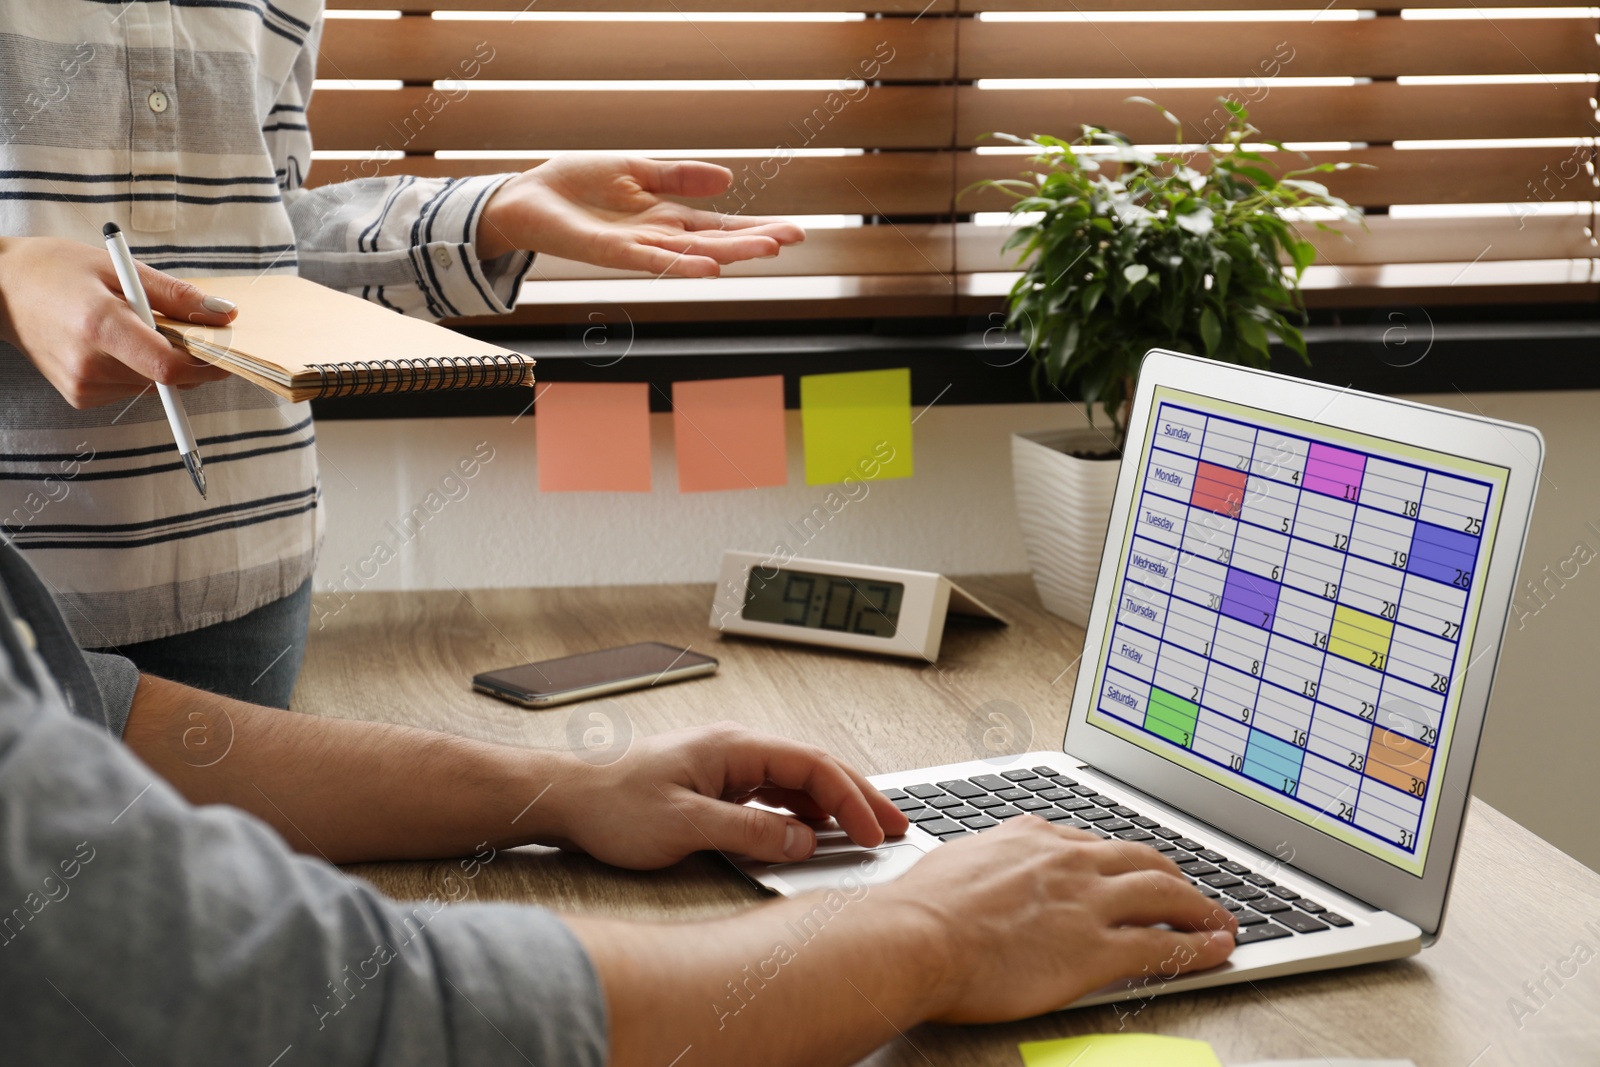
(361, 377)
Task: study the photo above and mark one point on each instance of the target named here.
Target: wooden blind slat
(890, 183)
(975, 6)
(900, 7)
(906, 248)
(982, 295)
(420, 49)
(1255, 53)
(1376, 111)
(1386, 240)
(1527, 176)
(428, 120)
(729, 299)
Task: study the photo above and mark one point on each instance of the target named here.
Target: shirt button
(442, 257)
(158, 101)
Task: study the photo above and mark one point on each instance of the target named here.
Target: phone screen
(643, 662)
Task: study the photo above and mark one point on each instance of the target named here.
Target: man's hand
(1022, 919)
(351, 791)
(609, 211)
(685, 792)
(1070, 911)
(60, 303)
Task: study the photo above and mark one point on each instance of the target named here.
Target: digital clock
(841, 605)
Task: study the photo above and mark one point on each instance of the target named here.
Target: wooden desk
(1519, 909)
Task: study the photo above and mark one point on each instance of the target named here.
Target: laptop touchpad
(846, 871)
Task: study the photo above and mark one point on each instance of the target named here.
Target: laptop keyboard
(948, 810)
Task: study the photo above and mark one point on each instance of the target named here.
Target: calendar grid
(1383, 537)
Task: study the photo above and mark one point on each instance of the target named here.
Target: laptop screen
(1294, 602)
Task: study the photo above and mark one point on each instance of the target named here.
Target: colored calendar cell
(1171, 716)
(1444, 555)
(1273, 762)
(1334, 471)
(1250, 598)
(1397, 760)
(1360, 637)
(1290, 613)
(1218, 489)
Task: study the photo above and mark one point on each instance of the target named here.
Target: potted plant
(1124, 250)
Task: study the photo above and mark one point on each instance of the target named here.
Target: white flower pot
(1063, 507)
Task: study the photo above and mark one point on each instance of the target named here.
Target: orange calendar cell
(1397, 760)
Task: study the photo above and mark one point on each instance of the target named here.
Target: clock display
(824, 602)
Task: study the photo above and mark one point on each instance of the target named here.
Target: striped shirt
(184, 121)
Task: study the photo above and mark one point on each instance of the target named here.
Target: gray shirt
(136, 927)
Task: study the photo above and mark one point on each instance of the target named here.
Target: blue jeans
(255, 657)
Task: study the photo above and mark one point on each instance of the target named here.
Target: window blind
(866, 121)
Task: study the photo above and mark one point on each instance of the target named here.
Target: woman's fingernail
(219, 304)
(795, 845)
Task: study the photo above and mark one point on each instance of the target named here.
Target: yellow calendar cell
(1360, 637)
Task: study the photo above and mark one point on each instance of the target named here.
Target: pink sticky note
(730, 434)
(593, 437)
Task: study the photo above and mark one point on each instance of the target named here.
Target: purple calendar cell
(1334, 471)
(1444, 555)
(1250, 598)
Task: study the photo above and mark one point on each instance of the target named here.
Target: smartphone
(590, 674)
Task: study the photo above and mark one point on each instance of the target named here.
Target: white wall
(954, 516)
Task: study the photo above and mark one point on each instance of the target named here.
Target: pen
(177, 418)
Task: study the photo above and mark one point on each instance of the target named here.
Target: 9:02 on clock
(840, 605)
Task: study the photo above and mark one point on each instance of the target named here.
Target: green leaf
(1210, 330)
(1065, 346)
(1257, 175)
(1303, 253)
(1091, 297)
(1251, 333)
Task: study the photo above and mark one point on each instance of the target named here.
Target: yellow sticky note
(857, 425)
(1119, 1050)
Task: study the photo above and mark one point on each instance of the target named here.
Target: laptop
(1290, 651)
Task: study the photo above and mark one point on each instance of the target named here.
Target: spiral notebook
(303, 341)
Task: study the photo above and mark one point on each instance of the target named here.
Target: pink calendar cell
(1334, 471)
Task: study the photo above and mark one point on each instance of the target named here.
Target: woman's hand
(610, 211)
(61, 304)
